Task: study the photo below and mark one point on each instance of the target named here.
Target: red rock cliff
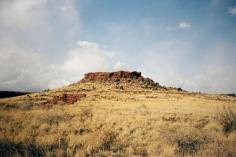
(111, 76)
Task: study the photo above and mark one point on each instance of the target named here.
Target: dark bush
(20, 149)
(188, 145)
(227, 118)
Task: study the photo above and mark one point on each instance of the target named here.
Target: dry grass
(120, 122)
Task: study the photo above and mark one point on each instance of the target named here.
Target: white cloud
(32, 31)
(170, 63)
(24, 70)
(232, 10)
(182, 25)
(42, 25)
(36, 13)
(163, 62)
(21, 14)
(217, 79)
(87, 57)
(57, 82)
(29, 71)
(39, 24)
(120, 66)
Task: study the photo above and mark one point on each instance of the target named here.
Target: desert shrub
(8, 106)
(227, 118)
(171, 118)
(143, 110)
(22, 106)
(188, 145)
(188, 141)
(107, 139)
(26, 106)
(140, 151)
(85, 113)
(106, 142)
(50, 118)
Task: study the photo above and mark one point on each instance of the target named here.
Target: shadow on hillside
(8, 149)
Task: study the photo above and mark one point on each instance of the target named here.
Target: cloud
(39, 24)
(163, 61)
(33, 34)
(31, 31)
(34, 14)
(182, 25)
(232, 10)
(24, 70)
(120, 66)
(216, 79)
(87, 57)
(28, 70)
(36, 51)
(20, 14)
(170, 63)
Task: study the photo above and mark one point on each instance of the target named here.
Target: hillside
(118, 114)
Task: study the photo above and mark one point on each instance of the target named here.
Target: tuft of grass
(85, 113)
(220, 147)
(106, 141)
(141, 151)
(50, 118)
(186, 141)
(227, 118)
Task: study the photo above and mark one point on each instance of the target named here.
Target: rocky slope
(91, 83)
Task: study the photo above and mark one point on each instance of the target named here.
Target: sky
(190, 44)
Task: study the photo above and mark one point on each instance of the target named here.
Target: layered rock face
(112, 76)
(121, 77)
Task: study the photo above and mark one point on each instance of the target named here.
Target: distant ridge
(8, 94)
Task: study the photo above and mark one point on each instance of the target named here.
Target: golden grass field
(113, 121)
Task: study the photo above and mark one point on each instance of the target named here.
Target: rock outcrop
(112, 76)
(121, 76)
(68, 98)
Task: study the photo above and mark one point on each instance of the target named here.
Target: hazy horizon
(50, 43)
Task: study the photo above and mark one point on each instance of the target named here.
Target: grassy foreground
(115, 121)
